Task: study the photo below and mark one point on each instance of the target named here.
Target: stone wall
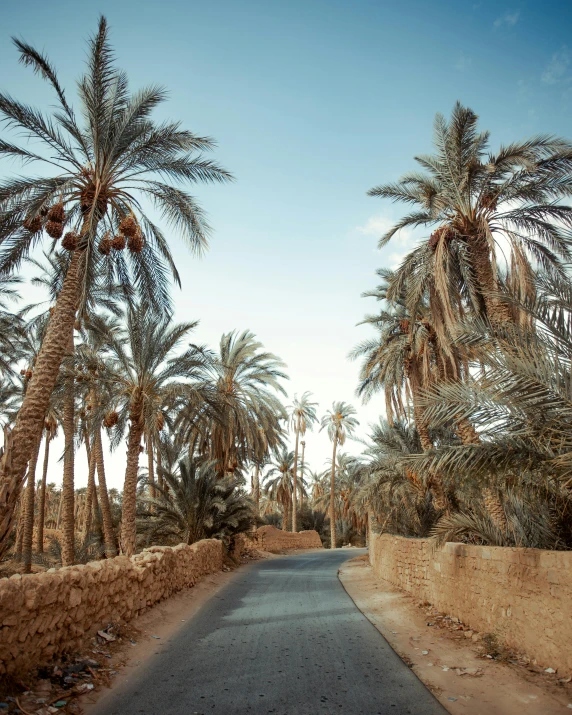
(269, 538)
(46, 615)
(524, 596)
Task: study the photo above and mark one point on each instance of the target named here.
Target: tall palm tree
(241, 379)
(147, 376)
(397, 496)
(302, 416)
(520, 397)
(405, 359)
(477, 203)
(101, 170)
(339, 423)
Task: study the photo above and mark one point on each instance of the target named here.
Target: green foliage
(195, 503)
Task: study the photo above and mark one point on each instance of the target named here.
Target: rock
(106, 636)
(43, 687)
(550, 670)
(468, 634)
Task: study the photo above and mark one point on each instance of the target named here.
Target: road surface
(281, 637)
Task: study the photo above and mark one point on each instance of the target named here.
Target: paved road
(282, 637)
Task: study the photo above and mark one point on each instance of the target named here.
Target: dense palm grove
(101, 365)
(471, 348)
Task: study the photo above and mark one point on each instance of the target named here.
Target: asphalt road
(282, 637)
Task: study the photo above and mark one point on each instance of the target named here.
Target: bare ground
(451, 665)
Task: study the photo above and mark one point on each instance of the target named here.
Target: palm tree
(478, 202)
(102, 170)
(279, 482)
(406, 358)
(302, 416)
(244, 422)
(195, 504)
(519, 400)
(302, 468)
(340, 424)
(397, 496)
(147, 376)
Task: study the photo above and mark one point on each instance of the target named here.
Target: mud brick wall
(524, 596)
(46, 615)
(269, 538)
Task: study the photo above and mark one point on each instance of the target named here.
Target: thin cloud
(558, 69)
(463, 63)
(379, 225)
(507, 19)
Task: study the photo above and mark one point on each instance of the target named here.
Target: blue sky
(311, 103)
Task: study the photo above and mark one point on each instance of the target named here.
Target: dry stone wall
(524, 596)
(46, 615)
(269, 538)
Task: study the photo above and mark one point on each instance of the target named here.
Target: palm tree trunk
(495, 509)
(128, 511)
(108, 532)
(22, 441)
(150, 467)
(42, 498)
(467, 433)
(286, 516)
(302, 474)
(29, 499)
(159, 466)
(257, 489)
(421, 425)
(68, 495)
(60, 506)
(19, 529)
(295, 494)
(436, 480)
(496, 310)
(332, 498)
(90, 495)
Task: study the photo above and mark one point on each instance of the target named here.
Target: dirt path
(435, 655)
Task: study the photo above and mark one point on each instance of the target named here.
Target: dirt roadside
(113, 657)
(450, 665)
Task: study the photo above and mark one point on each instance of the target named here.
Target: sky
(311, 104)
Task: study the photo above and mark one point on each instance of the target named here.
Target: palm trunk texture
(497, 311)
(295, 494)
(68, 494)
(332, 498)
(42, 498)
(89, 497)
(29, 500)
(128, 525)
(150, 467)
(108, 531)
(28, 426)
